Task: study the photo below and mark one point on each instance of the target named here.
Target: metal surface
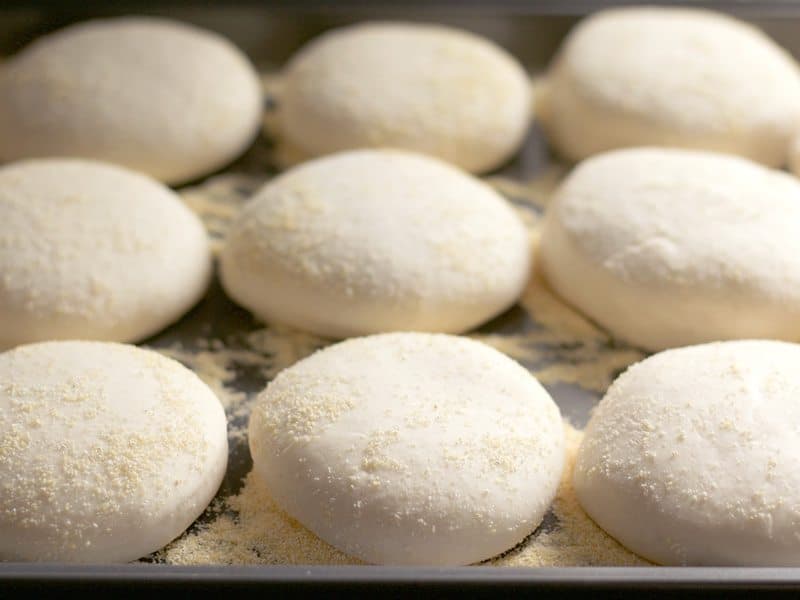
(269, 32)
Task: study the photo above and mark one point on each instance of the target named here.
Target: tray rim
(597, 578)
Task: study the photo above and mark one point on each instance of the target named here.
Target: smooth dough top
(107, 451)
(671, 247)
(676, 77)
(155, 95)
(376, 240)
(427, 88)
(410, 448)
(693, 456)
(94, 251)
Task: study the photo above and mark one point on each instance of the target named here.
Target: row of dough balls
(354, 243)
(404, 448)
(177, 102)
(691, 457)
(663, 247)
(436, 450)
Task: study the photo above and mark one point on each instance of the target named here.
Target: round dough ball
(432, 89)
(410, 448)
(94, 251)
(693, 456)
(671, 77)
(154, 95)
(675, 247)
(376, 240)
(107, 451)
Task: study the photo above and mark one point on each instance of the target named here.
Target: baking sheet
(237, 354)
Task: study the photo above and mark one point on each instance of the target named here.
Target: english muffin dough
(94, 251)
(674, 247)
(376, 240)
(107, 451)
(671, 77)
(410, 448)
(432, 89)
(158, 96)
(692, 456)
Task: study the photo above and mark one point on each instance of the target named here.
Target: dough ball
(675, 247)
(410, 448)
(692, 456)
(154, 95)
(376, 240)
(671, 77)
(107, 451)
(432, 89)
(94, 251)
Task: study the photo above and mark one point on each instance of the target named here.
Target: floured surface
(236, 356)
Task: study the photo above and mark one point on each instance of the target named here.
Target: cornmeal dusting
(251, 529)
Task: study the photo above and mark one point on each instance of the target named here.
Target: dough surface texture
(671, 77)
(410, 448)
(154, 95)
(376, 240)
(673, 247)
(107, 451)
(427, 88)
(692, 456)
(94, 251)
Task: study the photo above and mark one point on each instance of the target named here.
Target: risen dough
(165, 98)
(93, 251)
(692, 457)
(671, 77)
(428, 88)
(410, 448)
(376, 240)
(107, 452)
(674, 247)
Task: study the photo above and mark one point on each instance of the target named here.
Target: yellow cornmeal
(251, 529)
(556, 343)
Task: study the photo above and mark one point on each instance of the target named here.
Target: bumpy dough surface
(376, 240)
(410, 448)
(674, 247)
(107, 451)
(692, 456)
(671, 77)
(158, 96)
(427, 88)
(94, 251)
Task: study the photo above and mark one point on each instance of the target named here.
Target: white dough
(107, 451)
(410, 448)
(677, 77)
(693, 456)
(94, 251)
(432, 89)
(674, 247)
(162, 97)
(376, 240)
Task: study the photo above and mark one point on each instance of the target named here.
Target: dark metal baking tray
(269, 32)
